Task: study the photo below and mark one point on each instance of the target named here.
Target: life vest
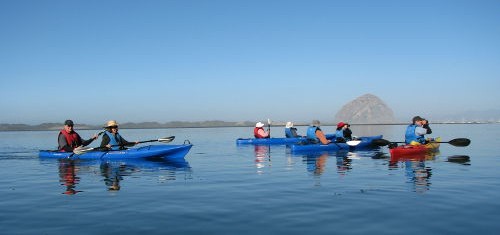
(72, 139)
(289, 133)
(411, 136)
(256, 133)
(339, 133)
(311, 133)
(114, 140)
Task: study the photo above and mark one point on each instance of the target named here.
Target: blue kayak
(276, 141)
(270, 141)
(364, 143)
(150, 151)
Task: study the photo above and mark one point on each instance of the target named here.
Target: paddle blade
(82, 150)
(460, 142)
(380, 142)
(353, 142)
(166, 139)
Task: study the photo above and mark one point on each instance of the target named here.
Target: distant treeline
(129, 125)
(176, 124)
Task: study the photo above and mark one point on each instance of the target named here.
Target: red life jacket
(72, 139)
(256, 132)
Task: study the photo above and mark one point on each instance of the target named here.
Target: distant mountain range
(366, 109)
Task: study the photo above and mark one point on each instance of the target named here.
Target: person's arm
(322, 137)
(87, 142)
(420, 130)
(63, 145)
(348, 133)
(427, 127)
(105, 140)
(294, 132)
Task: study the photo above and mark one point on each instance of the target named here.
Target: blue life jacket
(291, 134)
(339, 133)
(114, 140)
(411, 136)
(311, 133)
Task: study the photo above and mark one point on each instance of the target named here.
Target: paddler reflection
(316, 164)
(68, 177)
(113, 173)
(416, 172)
(262, 155)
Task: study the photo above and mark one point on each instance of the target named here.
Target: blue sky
(163, 61)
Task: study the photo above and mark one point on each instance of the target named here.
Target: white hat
(289, 124)
(259, 124)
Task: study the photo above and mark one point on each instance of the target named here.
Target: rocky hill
(366, 109)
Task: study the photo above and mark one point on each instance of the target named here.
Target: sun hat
(259, 124)
(111, 123)
(315, 123)
(341, 124)
(289, 124)
(68, 123)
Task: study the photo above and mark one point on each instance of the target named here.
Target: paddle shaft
(459, 142)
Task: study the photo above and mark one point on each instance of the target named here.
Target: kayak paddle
(81, 150)
(269, 127)
(458, 142)
(353, 142)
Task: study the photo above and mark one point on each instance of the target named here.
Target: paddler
(343, 133)
(112, 139)
(415, 132)
(68, 139)
(259, 131)
(315, 134)
(290, 131)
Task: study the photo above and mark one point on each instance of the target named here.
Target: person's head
(315, 123)
(417, 120)
(341, 125)
(68, 125)
(111, 126)
(289, 125)
(259, 125)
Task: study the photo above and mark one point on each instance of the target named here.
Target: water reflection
(262, 157)
(115, 171)
(68, 176)
(416, 172)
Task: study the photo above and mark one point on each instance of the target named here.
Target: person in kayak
(315, 134)
(68, 139)
(290, 131)
(415, 132)
(112, 139)
(259, 131)
(343, 133)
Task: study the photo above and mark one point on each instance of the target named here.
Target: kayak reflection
(416, 172)
(114, 171)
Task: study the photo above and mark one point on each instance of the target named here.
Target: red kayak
(409, 151)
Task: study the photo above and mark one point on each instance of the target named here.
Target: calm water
(222, 188)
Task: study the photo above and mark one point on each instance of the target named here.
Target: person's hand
(108, 146)
(95, 136)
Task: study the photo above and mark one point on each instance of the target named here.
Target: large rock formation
(366, 109)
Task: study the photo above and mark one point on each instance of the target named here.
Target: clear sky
(196, 60)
